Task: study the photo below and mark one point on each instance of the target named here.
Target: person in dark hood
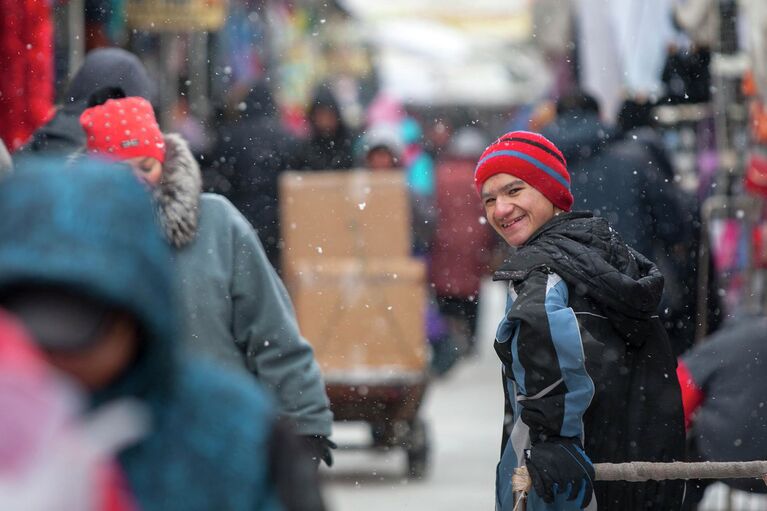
(579, 341)
(330, 145)
(253, 149)
(612, 179)
(625, 176)
(103, 68)
(678, 242)
(84, 266)
(234, 307)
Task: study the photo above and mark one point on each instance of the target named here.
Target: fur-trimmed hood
(178, 195)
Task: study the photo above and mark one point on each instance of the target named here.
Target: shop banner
(176, 15)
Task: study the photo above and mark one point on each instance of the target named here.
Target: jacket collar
(178, 195)
(555, 223)
(588, 254)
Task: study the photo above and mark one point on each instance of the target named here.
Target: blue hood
(90, 226)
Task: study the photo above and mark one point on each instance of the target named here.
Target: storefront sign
(176, 15)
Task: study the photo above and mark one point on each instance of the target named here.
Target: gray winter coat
(234, 306)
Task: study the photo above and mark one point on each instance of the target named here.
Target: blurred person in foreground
(50, 457)
(724, 381)
(234, 307)
(586, 361)
(84, 266)
(625, 176)
(102, 68)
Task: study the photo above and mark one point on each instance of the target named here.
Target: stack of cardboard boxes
(360, 297)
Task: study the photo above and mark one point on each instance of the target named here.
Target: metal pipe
(76, 35)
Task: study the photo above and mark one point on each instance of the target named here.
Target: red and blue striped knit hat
(532, 158)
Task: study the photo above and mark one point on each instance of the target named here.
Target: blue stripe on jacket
(579, 388)
(566, 335)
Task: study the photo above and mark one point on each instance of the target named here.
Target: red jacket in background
(463, 242)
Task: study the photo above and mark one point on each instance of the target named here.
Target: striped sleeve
(553, 387)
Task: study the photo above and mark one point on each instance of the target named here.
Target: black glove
(560, 461)
(319, 448)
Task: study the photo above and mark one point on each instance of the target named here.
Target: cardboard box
(355, 213)
(365, 319)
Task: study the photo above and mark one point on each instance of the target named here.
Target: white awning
(459, 52)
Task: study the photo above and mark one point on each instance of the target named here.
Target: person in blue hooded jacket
(624, 175)
(86, 269)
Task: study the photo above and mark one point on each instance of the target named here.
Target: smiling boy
(586, 362)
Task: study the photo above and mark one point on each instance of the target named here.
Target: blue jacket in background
(622, 180)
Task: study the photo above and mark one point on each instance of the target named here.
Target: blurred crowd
(133, 312)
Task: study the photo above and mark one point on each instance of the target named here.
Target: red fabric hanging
(26, 58)
(692, 395)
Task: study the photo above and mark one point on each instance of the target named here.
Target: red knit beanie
(123, 128)
(532, 158)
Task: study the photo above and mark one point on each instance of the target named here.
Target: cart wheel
(418, 448)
